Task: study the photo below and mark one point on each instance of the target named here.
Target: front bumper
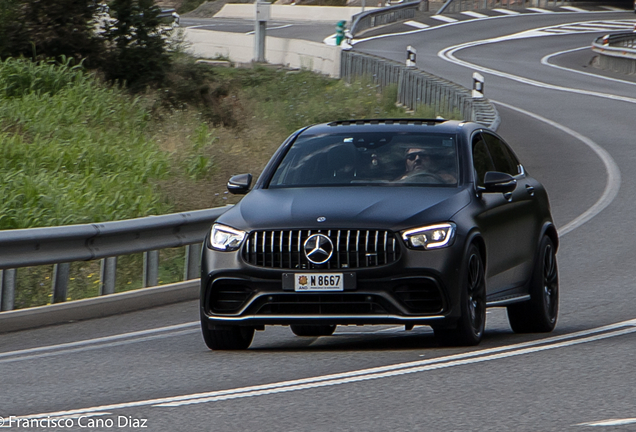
(422, 287)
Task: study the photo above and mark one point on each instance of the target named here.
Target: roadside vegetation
(83, 141)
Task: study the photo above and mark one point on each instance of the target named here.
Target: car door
(518, 241)
(506, 221)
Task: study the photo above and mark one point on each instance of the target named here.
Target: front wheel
(313, 330)
(471, 325)
(539, 315)
(228, 337)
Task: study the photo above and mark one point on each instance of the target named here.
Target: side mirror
(239, 184)
(498, 182)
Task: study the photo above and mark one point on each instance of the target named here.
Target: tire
(540, 313)
(470, 327)
(228, 338)
(313, 330)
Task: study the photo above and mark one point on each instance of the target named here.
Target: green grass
(72, 150)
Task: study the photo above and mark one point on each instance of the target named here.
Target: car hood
(393, 208)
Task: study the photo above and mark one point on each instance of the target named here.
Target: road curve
(152, 365)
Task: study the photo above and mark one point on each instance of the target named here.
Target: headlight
(224, 238)
(430, 237)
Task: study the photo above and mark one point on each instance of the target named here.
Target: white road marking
(434, 366)
(506, 11)
(98, 340)
(610, 422)
(272, 28)
(612, 184)
(416, 24)
(613, 9)
(554, 342)
(577, 29)
(443, 18)
(507, 14)
(97, 346)
(589, 27)
(574, 9)
(449, 55)
(474, 14)
(546, 61)
(609, 25)
(613, 173)
(201, 26)
(539, 10)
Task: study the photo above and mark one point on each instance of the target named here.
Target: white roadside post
(260, 25)
(410, 56)
(478, 86)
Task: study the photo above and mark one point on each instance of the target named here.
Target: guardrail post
(192, 261)
(151, 268)
(60, 282)
(7, 289)
(107, 275)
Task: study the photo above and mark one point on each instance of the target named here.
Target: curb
(99, 307)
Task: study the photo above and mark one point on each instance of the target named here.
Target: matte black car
(410, 222)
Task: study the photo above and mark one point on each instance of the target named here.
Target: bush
(19, 77)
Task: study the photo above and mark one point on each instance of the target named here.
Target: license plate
(318, 282)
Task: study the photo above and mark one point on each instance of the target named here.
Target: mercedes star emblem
(318, 248)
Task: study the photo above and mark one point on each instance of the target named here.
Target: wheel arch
(474, 237)
(550, 230)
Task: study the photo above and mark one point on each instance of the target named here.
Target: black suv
(410, 222)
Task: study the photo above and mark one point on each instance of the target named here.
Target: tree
(50, 29)
(9, 28)
(136, 44)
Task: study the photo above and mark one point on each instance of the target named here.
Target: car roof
(393, 125)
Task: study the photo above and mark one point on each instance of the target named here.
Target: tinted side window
(481, 159)
(504, 160)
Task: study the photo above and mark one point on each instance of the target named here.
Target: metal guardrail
(617, 52)
(616, 45)
(470, 5)
(65, 244)
(417, 87)
(375, 18)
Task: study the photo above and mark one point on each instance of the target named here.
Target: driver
(427, 161)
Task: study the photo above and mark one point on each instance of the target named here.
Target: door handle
(530, 190)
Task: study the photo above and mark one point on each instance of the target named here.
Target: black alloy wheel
(539, 315)
(470, 327)
(313, 330)
(227, 338)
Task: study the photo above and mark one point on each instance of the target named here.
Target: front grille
(323, 304)
(351, 249)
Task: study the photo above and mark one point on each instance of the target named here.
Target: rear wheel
(539, 315)
(227, 337)
(313, 330)
(470, 327)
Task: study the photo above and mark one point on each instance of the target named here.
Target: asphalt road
(307, 30)
(572, 131)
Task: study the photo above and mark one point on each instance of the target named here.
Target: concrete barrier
(238, 47)
(293, 13)
(97, 307)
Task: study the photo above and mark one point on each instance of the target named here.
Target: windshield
(369, 159)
